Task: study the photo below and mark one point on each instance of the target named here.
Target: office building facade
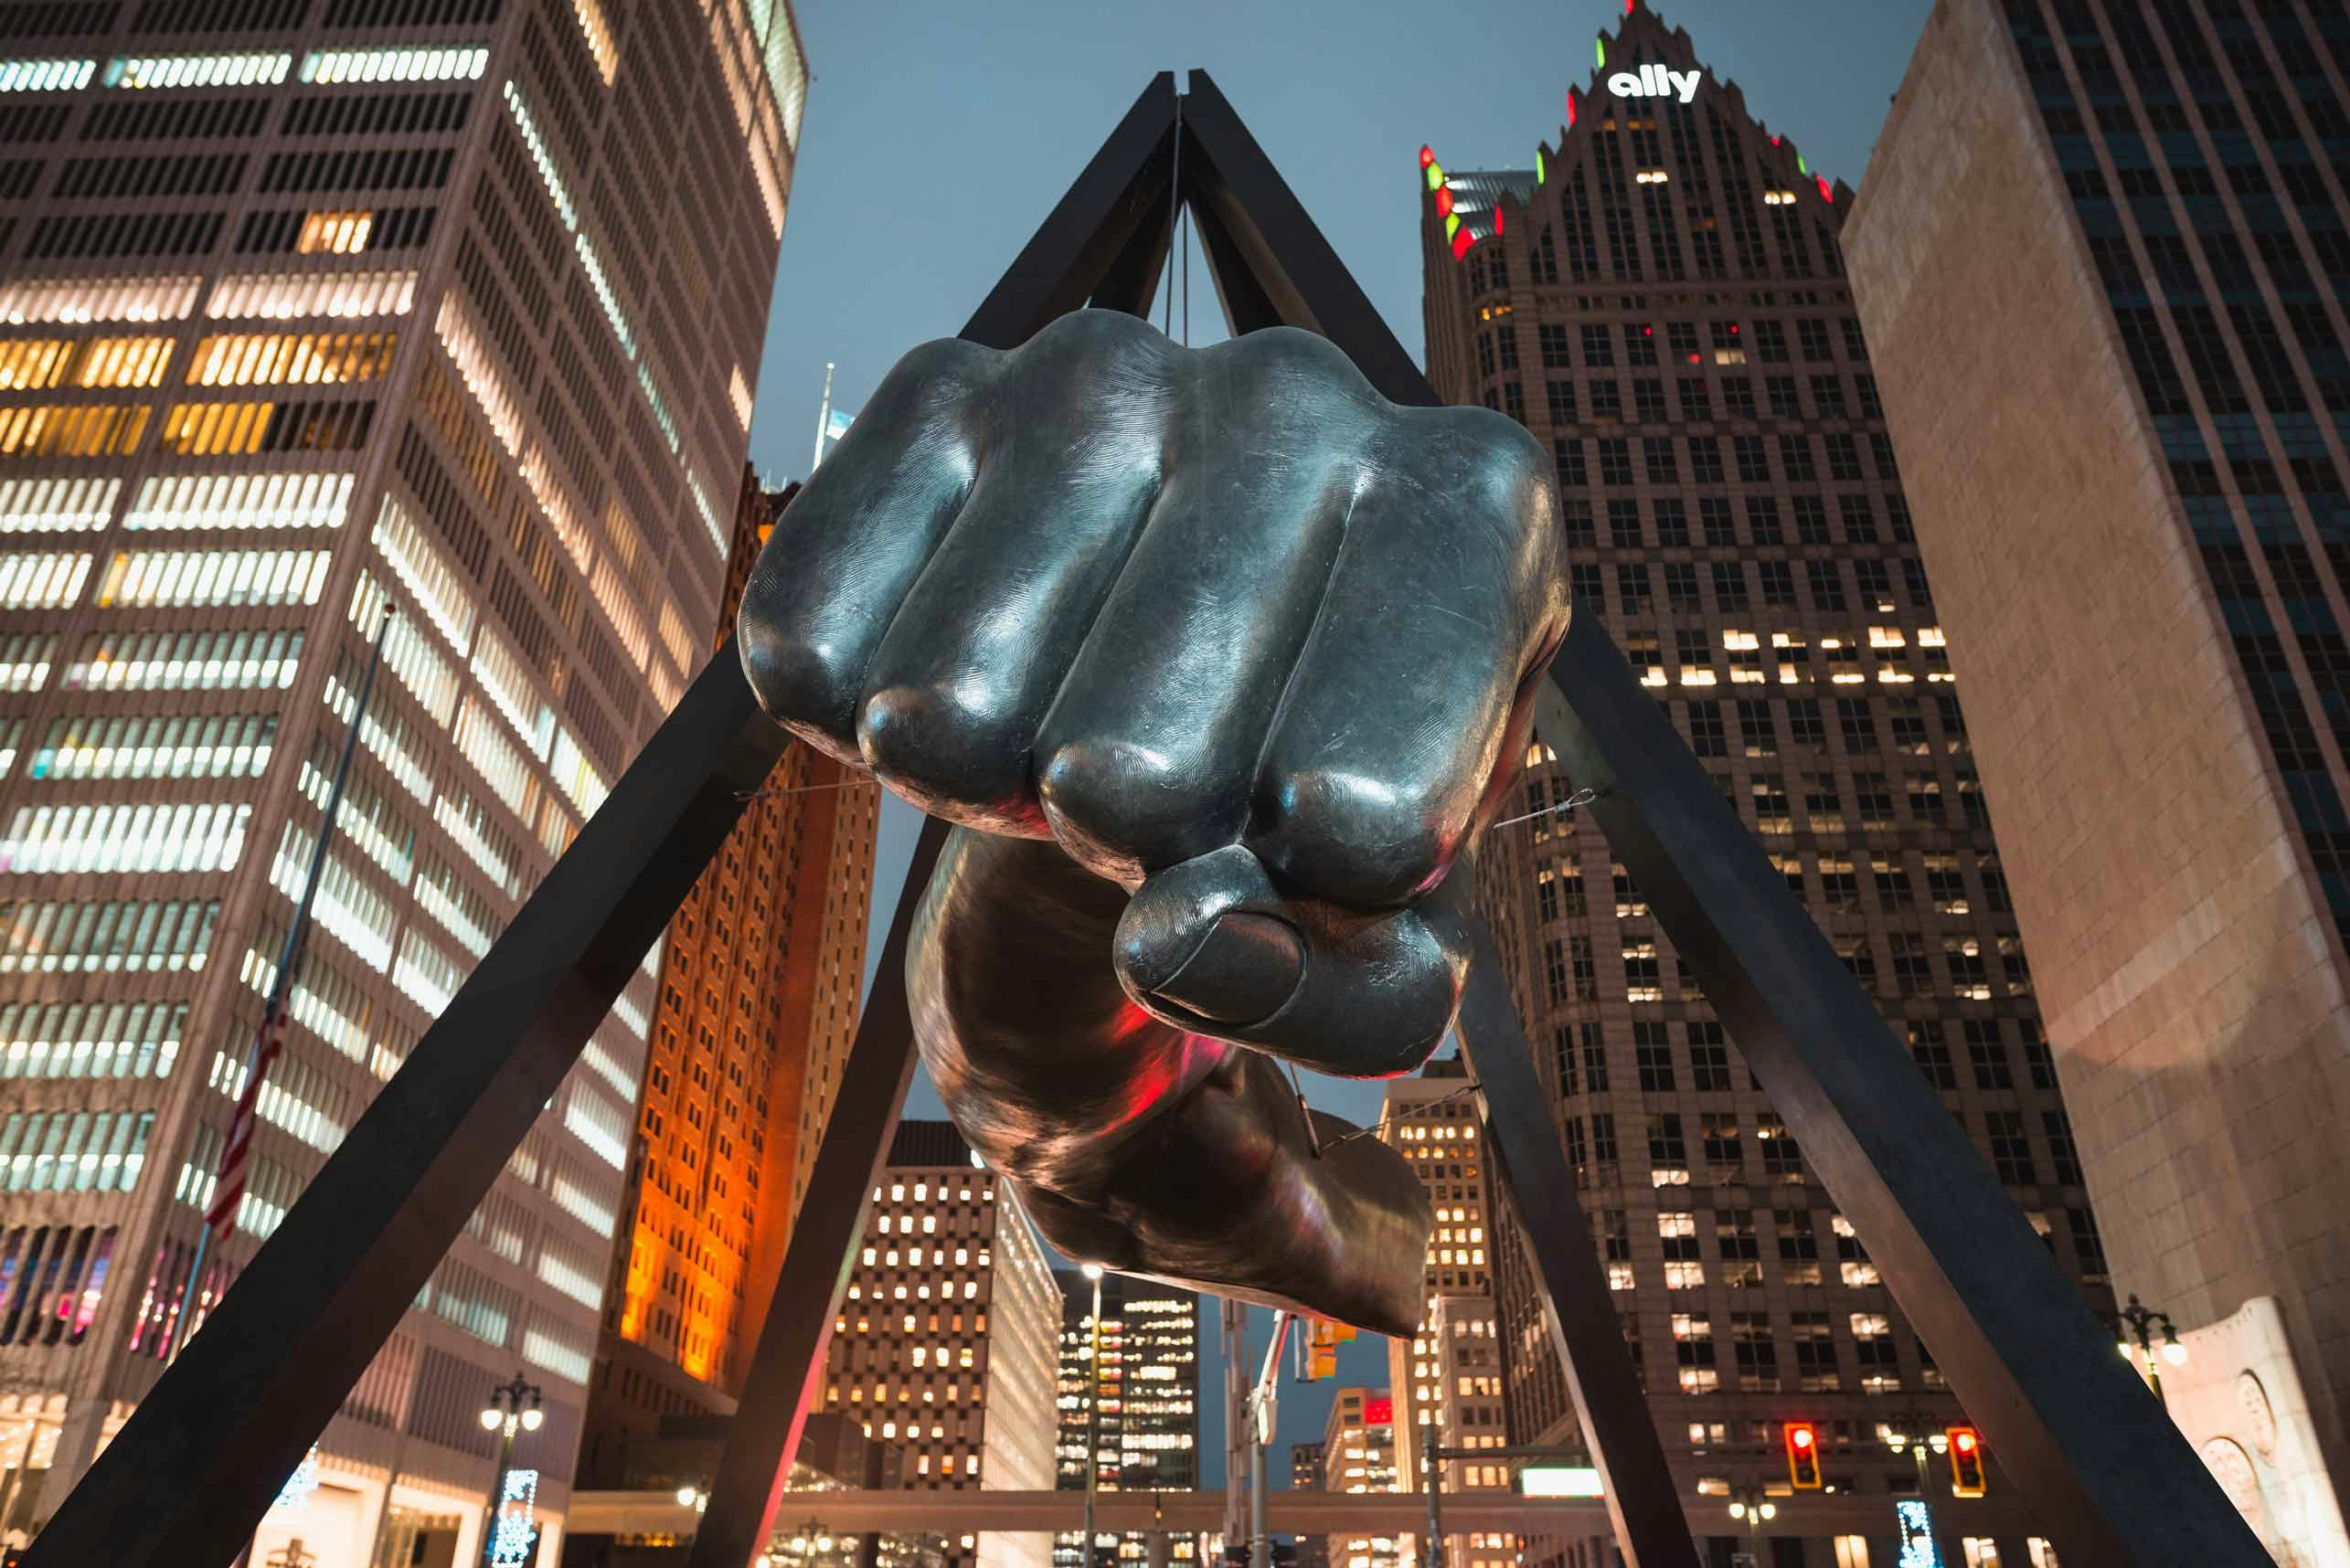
(1305, 1476)
(1660, 300)
(308, 309)
(946, 1346)
(1358, 1454)
(2135, 501)
(755, 1008)
(1128, 1396)
(1447, 1378)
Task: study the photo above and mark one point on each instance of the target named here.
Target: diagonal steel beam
(2070, 1421)
(1530, 1168)
(191, 1473)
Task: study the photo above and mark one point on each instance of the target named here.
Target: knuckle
(936, 740)
(1118, 802)
(1353, 840)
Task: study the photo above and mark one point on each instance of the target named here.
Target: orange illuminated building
(760, 983)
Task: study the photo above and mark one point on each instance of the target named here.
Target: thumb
(1211, 946)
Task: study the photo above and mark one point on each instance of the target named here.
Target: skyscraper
(309, 309)
(945, 1342)
(1305, 1476)
(1358, 1454)
(1447, 1377)
(757, 1004)
(1660, 299)
(1144, 1385)
(2132, 494)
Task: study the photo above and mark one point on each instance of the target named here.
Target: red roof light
(1462, 241)
(1497, 223)
(1444, 201)
(1427, 156)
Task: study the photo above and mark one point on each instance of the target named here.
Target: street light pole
(1093, 1271)
(1751, 1506)
(505, 1415)
(1432, 1477)
(2135, 1321)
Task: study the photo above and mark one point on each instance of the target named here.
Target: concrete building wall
(2150, 631)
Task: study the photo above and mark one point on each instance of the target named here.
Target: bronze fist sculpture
(1218, 660)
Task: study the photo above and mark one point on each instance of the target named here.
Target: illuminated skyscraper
(1145, 1384)
(309, 308)
(1358, 1454)
(758, 1002)
(1448, 1376)
(1660, 299)
(945, 1343)
(2134, 493)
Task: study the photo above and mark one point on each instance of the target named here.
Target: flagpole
(267, 1039)
(823, 418)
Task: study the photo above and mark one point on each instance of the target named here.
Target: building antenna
(823, 418)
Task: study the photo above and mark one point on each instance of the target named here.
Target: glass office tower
(311, 310)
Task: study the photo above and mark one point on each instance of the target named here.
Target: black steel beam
(787, 1368)
(2110, 1479)
(1247, 306)
(1529, 1167)
(1228, 175)
(190, 1475)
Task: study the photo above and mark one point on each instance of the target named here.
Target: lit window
(253, 359)
(283, 500)
(45, 76)
(186, 577)
(190, 836)
(334, 233)
(426, 64)
(50, 581)
(198, 70)
(72, 430)
(56, 505)
(284, 296)
(77, 300)
(590, 15)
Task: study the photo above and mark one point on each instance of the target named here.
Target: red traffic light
(1802, 1456)
(1966, 1461)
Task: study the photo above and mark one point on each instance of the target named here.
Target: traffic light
(1966, 1462)
(1284, 1554)
(1804, 1456)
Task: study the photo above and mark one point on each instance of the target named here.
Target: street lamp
(1916, 1433)
(2132, 1326)
(1756, 1510)
(1093, 1271)
(513, 1407)
(695, 1498)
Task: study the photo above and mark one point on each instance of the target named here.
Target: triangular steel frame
(2110, 1479)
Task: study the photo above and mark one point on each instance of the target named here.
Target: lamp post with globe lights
(1754, 1510)
(2133, 1327)
(1916, 1433)
(514, 1406)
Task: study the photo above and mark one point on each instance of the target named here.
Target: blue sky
(938, 136)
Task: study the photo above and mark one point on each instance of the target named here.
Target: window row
(204, 836)
(52, 1279)
(156, 746)
(43, 364)
(73, 1152)
(181, 578)
(227, 658)
(109, 935)
(90, 1039)
(1837, 457)
(72, 300)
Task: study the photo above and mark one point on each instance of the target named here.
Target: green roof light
(1435, 175)
(1539, 177)
(1602, 46)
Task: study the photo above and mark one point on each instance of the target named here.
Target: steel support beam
(787, 1370)
(1643, 1504)
(2110, 1479)
(186, 1481)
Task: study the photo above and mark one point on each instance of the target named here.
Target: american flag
(237, 1158)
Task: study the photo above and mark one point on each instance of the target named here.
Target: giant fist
(1218, 659)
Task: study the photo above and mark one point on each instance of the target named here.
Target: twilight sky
(938, 136)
